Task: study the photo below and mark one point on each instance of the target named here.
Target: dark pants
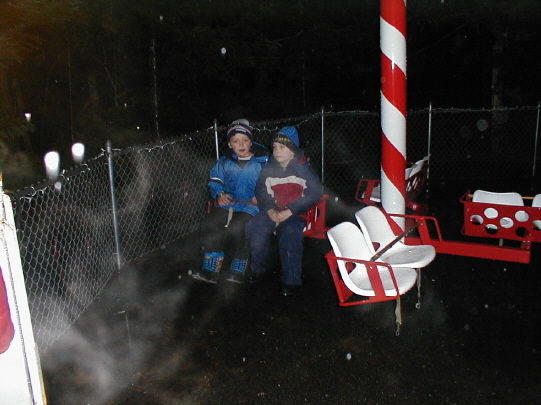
(216, 237)
(290, 237)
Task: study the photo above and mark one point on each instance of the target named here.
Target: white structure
(21, 382)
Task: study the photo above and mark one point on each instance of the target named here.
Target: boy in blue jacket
(286, 189)
(232, 184)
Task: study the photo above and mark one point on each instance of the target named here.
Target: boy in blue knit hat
(232, 184)
(286, 189)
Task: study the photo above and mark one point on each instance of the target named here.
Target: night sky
(89, 72)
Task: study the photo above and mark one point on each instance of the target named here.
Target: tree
(91, 70)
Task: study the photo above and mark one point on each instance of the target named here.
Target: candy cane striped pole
(393, 105)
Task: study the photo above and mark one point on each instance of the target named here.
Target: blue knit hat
(240, 126)
(289, 137)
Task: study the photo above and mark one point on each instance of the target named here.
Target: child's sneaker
(206, 275)
(236, 272)
(235, 277)
(212, 263)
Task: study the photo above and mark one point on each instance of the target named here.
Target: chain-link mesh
(352, 150)
(351, 142)
(161, 192)
(483, 144)
(67, 251)
(67, 230)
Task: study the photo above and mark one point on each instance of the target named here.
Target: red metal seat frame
(414, 187)
(346, 297)
(315, 220)
(506, 222)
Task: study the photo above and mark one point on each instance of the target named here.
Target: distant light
(78, 152)
(28, 116)
(52, 163)
(224, 51)
(482, 125)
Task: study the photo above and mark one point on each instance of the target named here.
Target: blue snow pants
(290, 236)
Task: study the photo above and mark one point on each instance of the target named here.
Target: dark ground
(157, 336)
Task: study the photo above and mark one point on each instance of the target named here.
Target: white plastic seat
(489, 197)
(409, 175)
(412, 171)
(348, 241)
(377, 281)
(376, 194)
(377, 231)
(537, 203)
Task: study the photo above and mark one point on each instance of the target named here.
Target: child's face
(282, 153)
(241, 145)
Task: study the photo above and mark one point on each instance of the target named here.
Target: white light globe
(78, 152)
(52, 163)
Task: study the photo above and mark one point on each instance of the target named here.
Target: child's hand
(225, 199)
(285, 215)
(279, 216)
(254, 200)
(274, 215)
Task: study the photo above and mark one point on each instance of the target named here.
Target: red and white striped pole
(393, 105)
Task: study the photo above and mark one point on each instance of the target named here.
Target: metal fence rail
(76, 230)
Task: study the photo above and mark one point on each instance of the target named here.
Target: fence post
(429, 141)
(536, 138)
(113, 202)
(322, 145)
(216, 139)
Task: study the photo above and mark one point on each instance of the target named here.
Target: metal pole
(393, 105)
(216, 139)
(155, 85)
(113, 202)
(536, 139)
(322, 145)
(429, 139)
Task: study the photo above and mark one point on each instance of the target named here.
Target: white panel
(393, 125)
(20, 371)
(393, 44)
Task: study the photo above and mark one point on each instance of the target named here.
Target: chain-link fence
(67, 250)
(75, 231)
(73, 234)
(481, 144)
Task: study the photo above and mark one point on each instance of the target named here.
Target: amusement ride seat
(389, 247)
(537, 204)
(354, 272)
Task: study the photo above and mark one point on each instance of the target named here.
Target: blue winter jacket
(238, 181)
